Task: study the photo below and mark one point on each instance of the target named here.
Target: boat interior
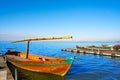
(21, 57)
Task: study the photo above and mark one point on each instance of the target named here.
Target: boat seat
(42, 59)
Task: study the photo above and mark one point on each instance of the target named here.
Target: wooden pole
(16, 77)
(98, 51)
(49, 38)
(27, 49)
(5, 58)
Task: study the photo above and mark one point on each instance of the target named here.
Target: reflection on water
(29, 75)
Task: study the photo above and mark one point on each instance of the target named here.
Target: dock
(5, 73)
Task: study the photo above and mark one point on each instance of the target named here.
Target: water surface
(85, 66)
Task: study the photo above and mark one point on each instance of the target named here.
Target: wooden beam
(49, 38)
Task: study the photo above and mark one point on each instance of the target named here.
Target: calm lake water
(85, 66)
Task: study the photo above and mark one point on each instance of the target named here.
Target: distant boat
(58, 66)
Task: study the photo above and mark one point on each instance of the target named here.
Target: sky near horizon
(85, 20)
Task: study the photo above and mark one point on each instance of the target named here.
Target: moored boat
(58, 66)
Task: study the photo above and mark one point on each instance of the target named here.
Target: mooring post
(98, 51)
(5, 58)
(92, 49)
(16, 74)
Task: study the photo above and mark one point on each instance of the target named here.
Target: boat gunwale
(67, 61)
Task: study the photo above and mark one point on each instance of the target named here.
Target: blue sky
(85, 20)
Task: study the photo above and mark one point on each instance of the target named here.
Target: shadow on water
(29, 75)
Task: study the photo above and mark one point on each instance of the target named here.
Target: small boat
(44, 64)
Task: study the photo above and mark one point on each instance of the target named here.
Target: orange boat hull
(58, 66)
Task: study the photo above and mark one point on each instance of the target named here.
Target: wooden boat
(58, 66)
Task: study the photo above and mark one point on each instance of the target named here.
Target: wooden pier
(5, 73)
